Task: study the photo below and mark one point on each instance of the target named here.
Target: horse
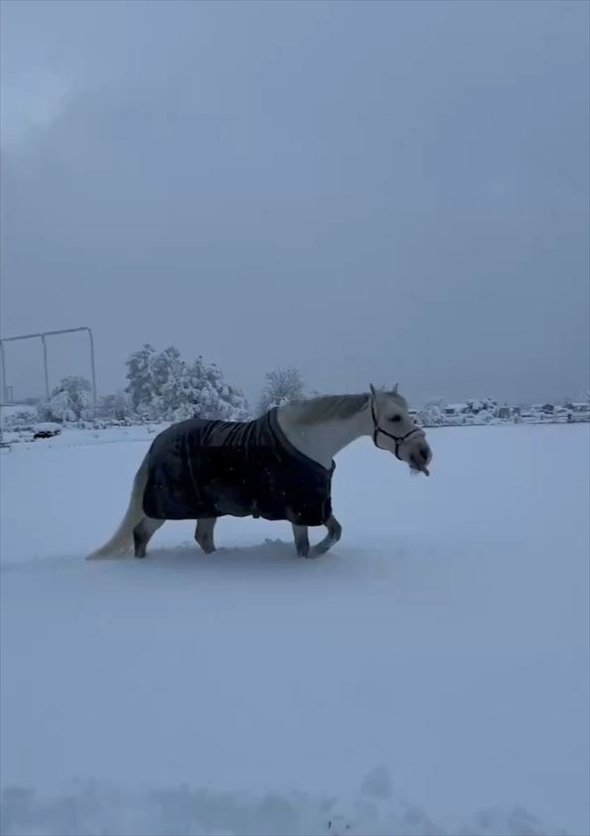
(278, 467)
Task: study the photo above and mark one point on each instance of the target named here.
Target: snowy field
(429, 676)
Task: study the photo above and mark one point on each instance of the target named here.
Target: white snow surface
(430, 675)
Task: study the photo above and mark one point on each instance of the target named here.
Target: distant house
(454, 409)
(524, 413)
(455, 413)
(579, 411)
(504, 412)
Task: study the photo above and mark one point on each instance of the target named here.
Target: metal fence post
(43, 335)
(45, 366)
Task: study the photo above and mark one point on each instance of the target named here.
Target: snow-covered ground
(429, 676)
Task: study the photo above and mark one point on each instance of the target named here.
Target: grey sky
(370, 191)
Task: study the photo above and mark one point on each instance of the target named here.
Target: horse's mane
(325, 407)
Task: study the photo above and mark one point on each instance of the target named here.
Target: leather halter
(399, 439)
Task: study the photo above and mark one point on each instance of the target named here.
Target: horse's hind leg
(301, 535)
(142, 534)
(204, 534)
(333, 536)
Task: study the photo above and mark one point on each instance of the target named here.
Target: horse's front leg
(301, 535)
(332, 537)
(204, 534)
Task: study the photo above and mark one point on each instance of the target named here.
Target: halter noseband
(399, 439)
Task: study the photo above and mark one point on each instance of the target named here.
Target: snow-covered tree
(115, 407)
(140, 375)
(71, 400)
(281, 386)
(168, 373)
(476, 406)
(473, 406)
(155, 382)
(164, 387)
(217, 399)
(240, 409)
(490, 409)
(432, 413)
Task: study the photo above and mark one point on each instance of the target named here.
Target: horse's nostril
(424, 452)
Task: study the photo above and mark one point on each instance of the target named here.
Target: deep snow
(446, 638)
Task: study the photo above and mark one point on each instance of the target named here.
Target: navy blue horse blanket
(204, 468)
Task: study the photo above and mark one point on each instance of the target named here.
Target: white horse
(319, 428)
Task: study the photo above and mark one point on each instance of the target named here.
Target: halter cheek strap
(399, 439)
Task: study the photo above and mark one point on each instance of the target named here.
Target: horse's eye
(396, 419)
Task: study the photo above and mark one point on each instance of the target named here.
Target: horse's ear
(395, 388)
(373, 392)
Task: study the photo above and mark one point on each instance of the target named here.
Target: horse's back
(210, 468)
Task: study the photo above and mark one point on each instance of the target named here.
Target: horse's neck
(323, 441)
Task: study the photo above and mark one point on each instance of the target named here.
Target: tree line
(163, 386)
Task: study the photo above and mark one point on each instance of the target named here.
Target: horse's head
(395, 430)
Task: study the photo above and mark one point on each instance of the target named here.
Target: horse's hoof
(321, 549)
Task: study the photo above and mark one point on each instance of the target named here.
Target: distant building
(454, 409)
(579, 411)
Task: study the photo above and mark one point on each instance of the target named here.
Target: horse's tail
(122, 539)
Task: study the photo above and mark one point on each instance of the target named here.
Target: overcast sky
(381, 192)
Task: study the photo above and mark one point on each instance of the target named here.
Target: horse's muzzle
(418, 463)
